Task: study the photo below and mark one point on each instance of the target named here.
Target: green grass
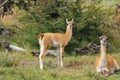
(26, 67)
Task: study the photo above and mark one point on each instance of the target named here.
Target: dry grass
(13, 19)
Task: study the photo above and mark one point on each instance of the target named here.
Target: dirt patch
(73, 64)
(27, 63)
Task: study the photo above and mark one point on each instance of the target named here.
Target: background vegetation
(92, 18)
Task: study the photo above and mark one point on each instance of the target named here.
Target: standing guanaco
(116, 16)
(58, 40)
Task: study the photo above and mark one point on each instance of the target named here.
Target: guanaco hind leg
(117, 67)
(41, 57)
(43, 49)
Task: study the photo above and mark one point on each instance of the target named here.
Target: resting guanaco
(105, 64)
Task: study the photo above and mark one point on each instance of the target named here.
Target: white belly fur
(55, 43)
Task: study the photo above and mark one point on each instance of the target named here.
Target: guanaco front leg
(60, 56)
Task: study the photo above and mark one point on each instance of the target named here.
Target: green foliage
(49, 16)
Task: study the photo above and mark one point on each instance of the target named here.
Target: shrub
(8, 60)
(50, 17)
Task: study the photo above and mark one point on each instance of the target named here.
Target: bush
(50, 17)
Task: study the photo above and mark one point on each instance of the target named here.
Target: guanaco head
(117, 6)
(69, 23)
(103, 40)
(116, 9)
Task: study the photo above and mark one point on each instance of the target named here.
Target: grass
(75, 68)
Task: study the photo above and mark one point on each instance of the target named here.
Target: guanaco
(58, 40)
(116, 16)
(105, 64)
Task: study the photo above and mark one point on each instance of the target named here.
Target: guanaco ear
(100, 38)
(67, 21)
(117, 6)
(72, 20)
(106, 37)
(103, 36)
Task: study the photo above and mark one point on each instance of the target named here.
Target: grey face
(103, 40)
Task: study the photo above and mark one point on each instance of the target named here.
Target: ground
(26, 67)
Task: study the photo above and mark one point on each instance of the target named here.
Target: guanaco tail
(58, 40)
(105, 64)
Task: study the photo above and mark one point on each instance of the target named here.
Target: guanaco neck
(103, 52)
(68, 33)
(116, 11)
